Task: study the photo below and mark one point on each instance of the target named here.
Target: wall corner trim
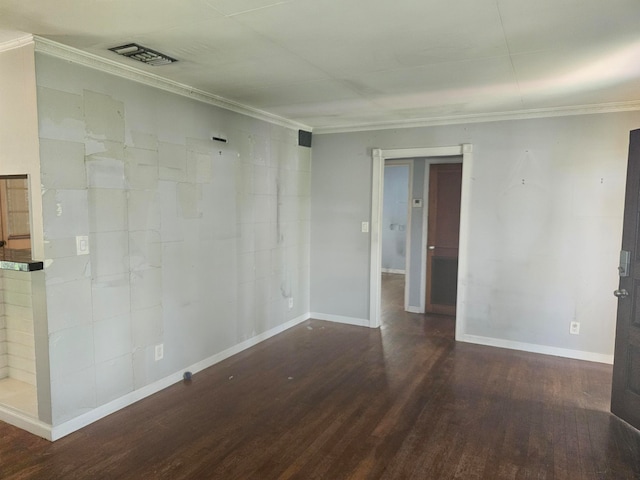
(102, 411)
(535, 348)
(74, 55)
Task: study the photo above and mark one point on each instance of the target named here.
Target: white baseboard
(414, 310)
(534, 348)
(25, 422)
(102, 411)
(360, 322)
(392, 270)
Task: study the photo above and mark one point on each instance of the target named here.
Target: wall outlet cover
(159, 351)
(82, 245)
(574, 328)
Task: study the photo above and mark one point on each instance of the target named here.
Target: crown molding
(16, 43)
(483, 117)
(64, 52)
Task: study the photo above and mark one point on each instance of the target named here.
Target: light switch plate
(365, 227)
(82, 245)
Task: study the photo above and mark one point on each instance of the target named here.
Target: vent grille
(143, 54)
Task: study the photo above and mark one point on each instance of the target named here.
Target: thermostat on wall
(417, 203)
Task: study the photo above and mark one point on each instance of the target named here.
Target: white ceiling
(330, 64)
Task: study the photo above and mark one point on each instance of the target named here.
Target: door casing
(377, 188)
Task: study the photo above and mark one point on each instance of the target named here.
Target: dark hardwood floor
(329, 401)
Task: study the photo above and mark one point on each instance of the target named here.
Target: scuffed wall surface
(544, 235)
(195, 244)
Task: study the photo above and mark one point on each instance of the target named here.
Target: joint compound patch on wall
(172, 162)
(104, 119)
(195, 245)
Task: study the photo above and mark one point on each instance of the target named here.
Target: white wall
(394, 218)
(544, 235)
(19, 129)
(19, 154)
(195, 244)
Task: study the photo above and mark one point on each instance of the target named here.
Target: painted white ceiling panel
(557, 24)
(579, 71)
(114, 18)
(316, 92)
(214, 42)
(360, 35)
(327, 63)
(234, 7)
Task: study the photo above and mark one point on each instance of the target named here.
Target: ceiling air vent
(143, 54)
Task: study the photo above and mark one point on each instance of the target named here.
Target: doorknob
(621, 293)
(432, 247)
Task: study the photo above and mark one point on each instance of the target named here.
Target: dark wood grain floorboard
(330, 401)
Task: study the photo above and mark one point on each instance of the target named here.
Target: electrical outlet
(82, 245)
(574, 329)
(159, 351)
(290, 303)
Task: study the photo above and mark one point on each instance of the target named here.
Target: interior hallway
(331, 401)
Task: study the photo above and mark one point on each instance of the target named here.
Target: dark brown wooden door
(445, 186)
(625, 393)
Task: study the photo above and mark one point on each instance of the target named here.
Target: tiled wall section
(18, 326)
(195, 244)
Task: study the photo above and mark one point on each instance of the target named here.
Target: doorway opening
(452, 154)
(396, 222)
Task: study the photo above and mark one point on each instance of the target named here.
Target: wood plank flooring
(329, 401)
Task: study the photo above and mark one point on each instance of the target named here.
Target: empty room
(338, 239)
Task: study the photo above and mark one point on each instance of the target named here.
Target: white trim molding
(613, 107)
(16, 43)
(25, 422)
(64, 52)
(535, 348)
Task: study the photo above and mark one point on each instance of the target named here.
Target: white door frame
(377, 190)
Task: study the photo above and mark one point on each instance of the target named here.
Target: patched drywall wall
(546, 205)
(194, 244)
